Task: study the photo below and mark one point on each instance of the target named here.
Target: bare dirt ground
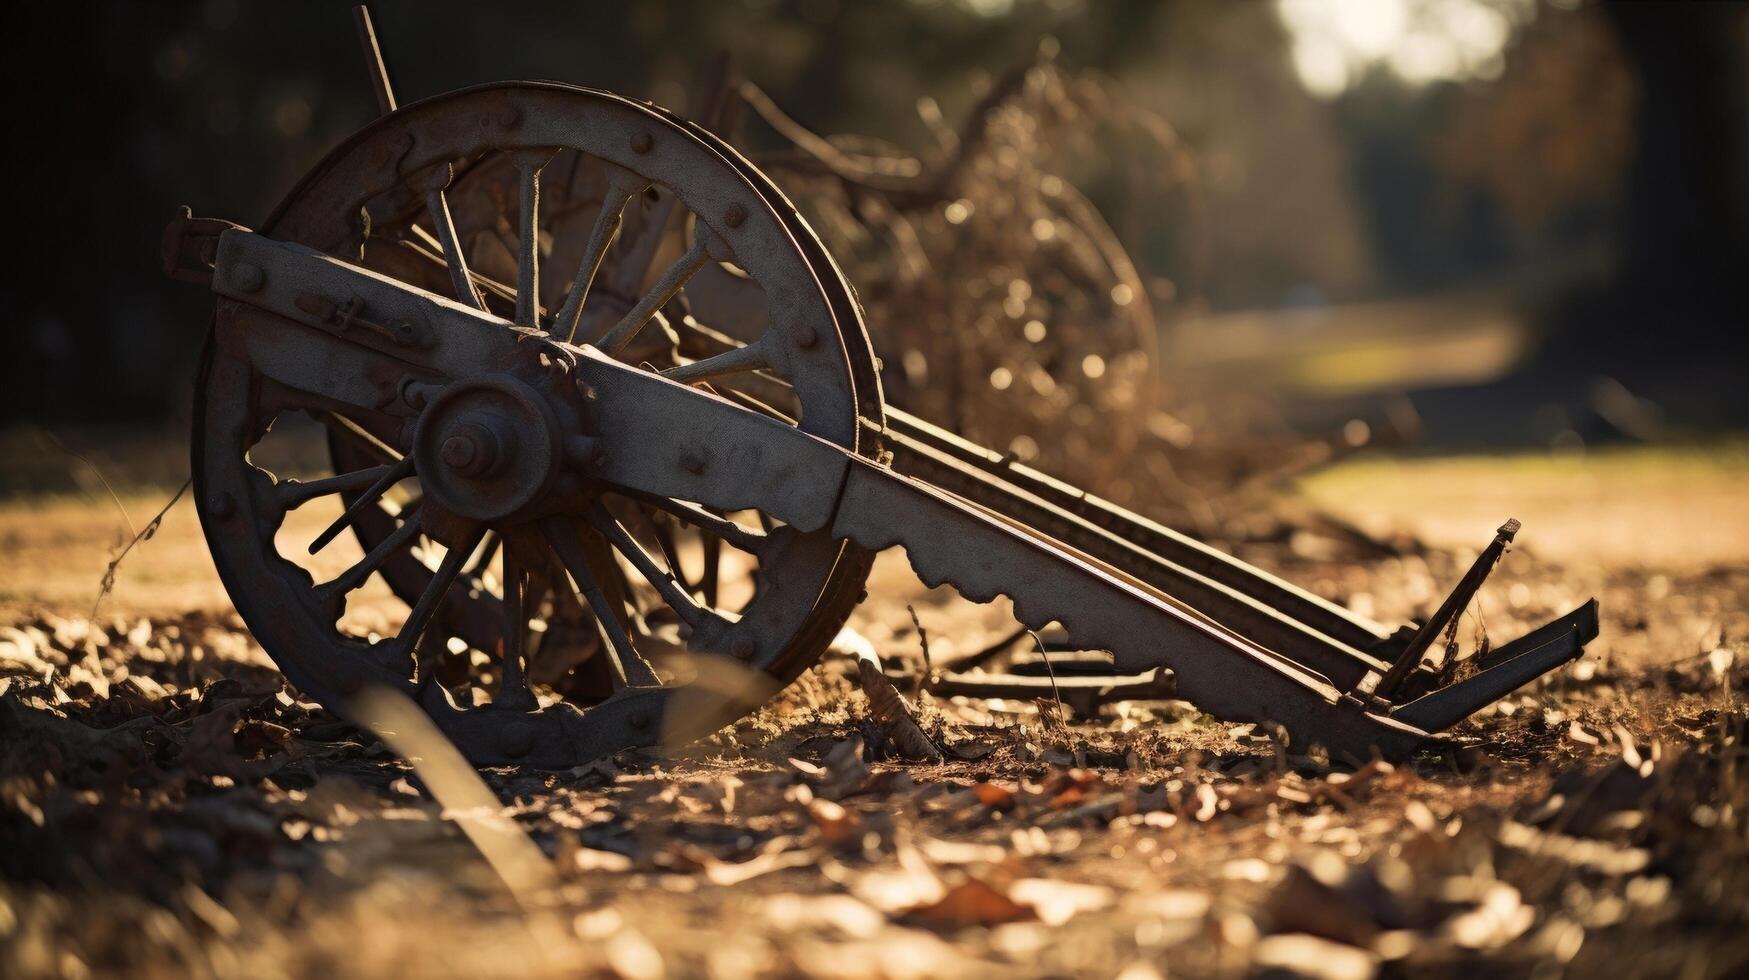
(169, 807)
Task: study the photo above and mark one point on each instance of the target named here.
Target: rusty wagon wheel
(458, 495)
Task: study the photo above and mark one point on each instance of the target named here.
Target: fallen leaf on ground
(972, 902)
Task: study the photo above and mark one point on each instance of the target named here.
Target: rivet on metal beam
(734, 215)
(642, 141)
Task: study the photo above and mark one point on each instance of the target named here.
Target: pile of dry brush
(1006, 306)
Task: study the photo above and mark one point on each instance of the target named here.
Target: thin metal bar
(1460, 597)
(528, 263)
(513, 693)
(371, 443)
(621, 188)
(709, 577)
(393, 475)
(752, 542)
(373, 60)
(673, 279)
(435, 590)
(630, 669)
(427, 247)
(633, 264)
(438, 207)
(1449, 705)
(733, 361)
(683, 605)
(488, 547)
(354, 577)
(1023, 501)
(293, 494)
(1172, 562)
(664, 534)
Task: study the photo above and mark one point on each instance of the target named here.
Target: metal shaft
(373, 60)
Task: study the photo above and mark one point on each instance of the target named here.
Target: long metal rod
(528, 168)
(1341, 664)
(1177, 548)
(373, 60)
(1410, 656)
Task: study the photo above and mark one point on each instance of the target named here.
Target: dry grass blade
(718, 688)
(889, 711)
(1050, 671)
(144, 534)
(455, 785)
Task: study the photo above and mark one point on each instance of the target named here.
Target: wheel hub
(488, 447)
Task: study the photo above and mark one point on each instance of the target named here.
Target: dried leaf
(993, 796)
(838, 826)
(972, 902)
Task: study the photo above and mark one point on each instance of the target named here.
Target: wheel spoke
(629, 668)
(484, 554)
(663, 532)
(752, 542)
(621, 188)
(435, 591)
(346, 582)
(513, 693)
(391, 476)
(293, 494)
(429, 249)
(674, 278)
(733, 361)
(661, 578)
(366, 438)
(713, 557)
(437, 206)
(528, 165)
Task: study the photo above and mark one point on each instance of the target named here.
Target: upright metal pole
(373, 59)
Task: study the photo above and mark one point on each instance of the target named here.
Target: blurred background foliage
(1461, 221)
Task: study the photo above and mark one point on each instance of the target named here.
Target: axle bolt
(473, 450)
(460, 452)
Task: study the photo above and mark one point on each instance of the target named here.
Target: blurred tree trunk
(1686, 233)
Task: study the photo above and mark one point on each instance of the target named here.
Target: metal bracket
(190, 247)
